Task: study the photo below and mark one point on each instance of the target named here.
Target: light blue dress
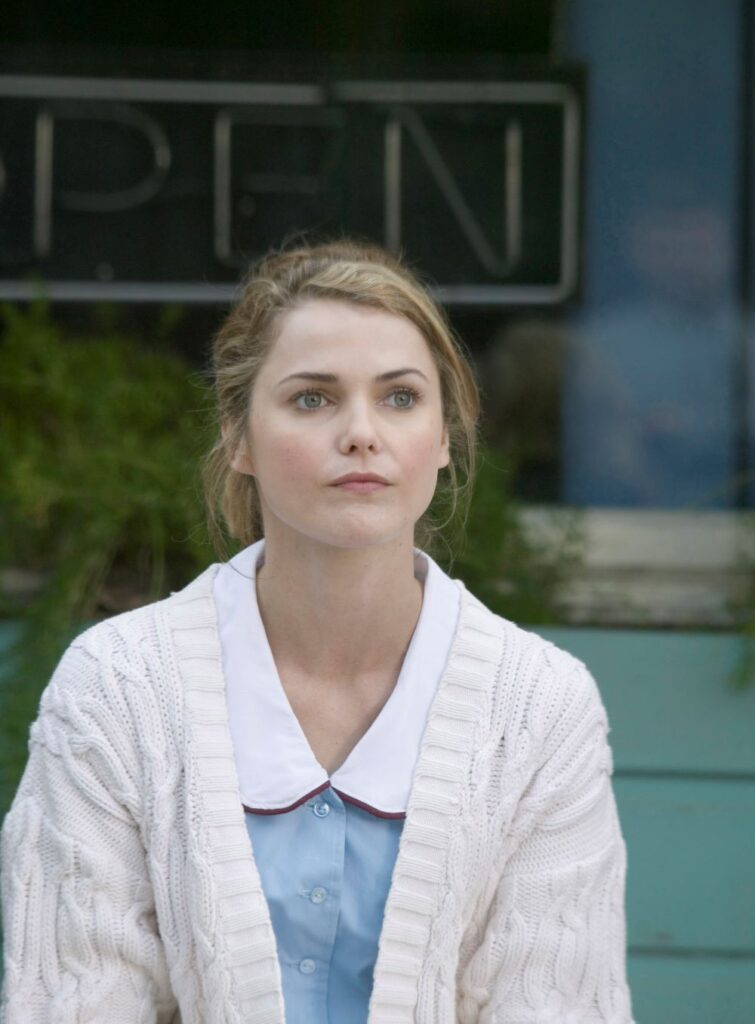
(325, 846)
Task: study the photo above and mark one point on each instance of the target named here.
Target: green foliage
(741, 606)
(514, 574)
(101, 438)
(742, 676)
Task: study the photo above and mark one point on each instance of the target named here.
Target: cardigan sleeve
(80, 934)
(553, 946)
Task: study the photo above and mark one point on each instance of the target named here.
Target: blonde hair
(354, 272)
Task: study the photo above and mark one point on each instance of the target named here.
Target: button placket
(312, 964)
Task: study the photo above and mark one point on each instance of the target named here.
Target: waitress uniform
(325, 846)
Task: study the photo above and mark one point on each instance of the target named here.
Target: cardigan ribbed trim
(456, 723)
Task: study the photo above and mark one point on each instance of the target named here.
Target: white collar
(275, 764)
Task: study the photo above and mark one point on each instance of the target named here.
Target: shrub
(100, 439)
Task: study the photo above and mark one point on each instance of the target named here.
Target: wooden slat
(691, 864)
(667, 990)
(653, 567)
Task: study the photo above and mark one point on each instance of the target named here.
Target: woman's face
(304, 433)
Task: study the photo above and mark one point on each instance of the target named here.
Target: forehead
(321, 329)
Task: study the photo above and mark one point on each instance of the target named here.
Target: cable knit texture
(130, 893)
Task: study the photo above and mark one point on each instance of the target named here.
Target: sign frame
(229, 95)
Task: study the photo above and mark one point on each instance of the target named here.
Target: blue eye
(306, 395)
(408, 393)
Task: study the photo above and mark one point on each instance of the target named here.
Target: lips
(360, 478)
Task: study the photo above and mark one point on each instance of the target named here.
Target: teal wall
(684, 754)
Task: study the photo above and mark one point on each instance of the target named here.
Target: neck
(338, 614)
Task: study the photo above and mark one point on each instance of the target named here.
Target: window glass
(652, 398)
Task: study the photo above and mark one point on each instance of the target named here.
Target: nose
(358, 428)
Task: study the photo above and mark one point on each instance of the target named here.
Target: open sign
(163, 190)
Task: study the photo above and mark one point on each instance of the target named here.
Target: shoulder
(134, 629)
(537, 684)
(120, 655)
(113, 708)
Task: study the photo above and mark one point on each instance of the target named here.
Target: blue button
(318, 895)
(321, 810)
(306, 966)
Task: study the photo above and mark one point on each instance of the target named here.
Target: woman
(323, 783)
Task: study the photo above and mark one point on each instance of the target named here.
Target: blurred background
(575, 180)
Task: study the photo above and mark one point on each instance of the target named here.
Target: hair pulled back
(349, 271)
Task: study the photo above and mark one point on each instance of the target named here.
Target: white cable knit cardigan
(130, 893)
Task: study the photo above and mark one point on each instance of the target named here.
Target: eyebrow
(331, 378)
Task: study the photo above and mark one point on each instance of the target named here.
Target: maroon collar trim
(393, 815)
(368, 807)
(291, 807)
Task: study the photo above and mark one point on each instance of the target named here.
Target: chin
(360, 538)
(364, 536)
(350, 530)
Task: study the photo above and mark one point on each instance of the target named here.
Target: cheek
(285, 456)
(422, 455)
(297, 461)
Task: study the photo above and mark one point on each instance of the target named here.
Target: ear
(445, 456)
(239, 459)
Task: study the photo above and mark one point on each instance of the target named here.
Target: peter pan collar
(276, 767)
